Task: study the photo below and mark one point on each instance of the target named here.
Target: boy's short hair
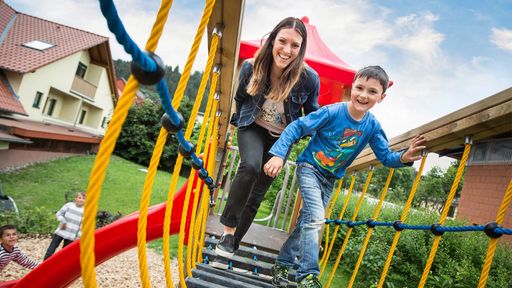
(81, 193)
(6, 227)
(374, 72)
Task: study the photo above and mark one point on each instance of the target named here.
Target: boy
(70, 218)
(340, 131)
(10, 252)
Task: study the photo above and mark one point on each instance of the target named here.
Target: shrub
(458, 262)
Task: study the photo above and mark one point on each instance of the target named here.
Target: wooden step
(244, 251)
(239, 276)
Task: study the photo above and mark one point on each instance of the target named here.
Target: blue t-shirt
(337, 139)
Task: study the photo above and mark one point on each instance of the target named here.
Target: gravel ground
(120, 271)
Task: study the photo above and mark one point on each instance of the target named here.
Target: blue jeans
(316, 189)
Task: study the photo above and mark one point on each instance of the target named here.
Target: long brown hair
(264, 59)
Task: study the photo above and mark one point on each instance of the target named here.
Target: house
(57, 89)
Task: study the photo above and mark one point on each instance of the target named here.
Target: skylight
(38, 45)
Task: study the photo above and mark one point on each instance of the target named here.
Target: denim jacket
(303, 95)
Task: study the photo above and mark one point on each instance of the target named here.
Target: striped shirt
(17, 256)
(71, 215)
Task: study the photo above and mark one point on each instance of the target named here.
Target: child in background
(340, 132)
(10, 252)
(70, 220)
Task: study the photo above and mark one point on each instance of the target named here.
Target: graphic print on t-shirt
(332, 159)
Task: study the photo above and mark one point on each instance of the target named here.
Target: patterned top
(17, 256)
(271, 117)
(337, 140)
(71, 215)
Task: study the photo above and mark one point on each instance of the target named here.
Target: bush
(30, 220)
(458, 262)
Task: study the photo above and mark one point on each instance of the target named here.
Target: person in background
(341, 131)
(10, 252)
(274, 89)
(70, 220)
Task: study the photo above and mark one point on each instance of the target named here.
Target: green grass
(45, 185)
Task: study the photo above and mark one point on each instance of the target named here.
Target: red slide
(63, 267)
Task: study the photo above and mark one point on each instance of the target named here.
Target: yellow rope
(144, 205)
(182, 84)
(87, 257)
(329, 212)
(158, 27)
(494, 241)
(206, 195)
(199, 99)
(349, 231)
(183, 224)
(342, 213)
(444, 214)
(402, 218)
(370, 230)
(209, 119)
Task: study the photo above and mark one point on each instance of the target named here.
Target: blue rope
(116, 27)
(503, 231)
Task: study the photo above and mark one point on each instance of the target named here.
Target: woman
(273, 88)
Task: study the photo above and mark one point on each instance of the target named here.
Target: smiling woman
(275, 88)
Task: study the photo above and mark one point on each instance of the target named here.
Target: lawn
(45, 185)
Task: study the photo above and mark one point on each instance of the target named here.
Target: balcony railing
(83, 87)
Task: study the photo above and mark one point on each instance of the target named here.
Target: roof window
(38, 45)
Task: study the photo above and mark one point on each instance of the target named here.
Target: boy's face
(9, 237)
(79, 200)
(365, 93)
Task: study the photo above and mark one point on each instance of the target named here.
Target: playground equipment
(186, 210)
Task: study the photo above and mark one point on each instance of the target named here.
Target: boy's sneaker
(226, 246)
(280, 275)
(310, 281)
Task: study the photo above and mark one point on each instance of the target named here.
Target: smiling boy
(10, 252)
(341, 131)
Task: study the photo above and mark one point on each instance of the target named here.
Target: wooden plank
(231, 282)
(245, 278)
(263, 237)
(247, 252)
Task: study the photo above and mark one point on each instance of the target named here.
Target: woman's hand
(415, 147)
(273, 167)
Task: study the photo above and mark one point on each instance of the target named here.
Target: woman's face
(286, 48)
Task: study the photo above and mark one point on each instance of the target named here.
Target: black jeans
(54, 244)
(250, 183)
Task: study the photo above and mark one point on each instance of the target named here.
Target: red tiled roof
(26, 28)
(31, 129)
(139, 96)
(8, 100)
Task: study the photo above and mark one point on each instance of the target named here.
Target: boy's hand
(63, 226)
(273, 167)
(415, 147)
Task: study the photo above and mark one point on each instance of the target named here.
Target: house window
(103, 122)
(493, 151)
(38, 45)
(37, 100)
(51, 106)
(82, 117)
(81, 69)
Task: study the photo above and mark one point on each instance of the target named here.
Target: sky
(441, 55)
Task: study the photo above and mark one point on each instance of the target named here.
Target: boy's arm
(24, 261)
(297, 129)
(60, 214)
(415, 147)
(380, 146)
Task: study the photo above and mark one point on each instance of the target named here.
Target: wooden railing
(83, 87)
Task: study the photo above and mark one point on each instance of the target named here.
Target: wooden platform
(263, 237)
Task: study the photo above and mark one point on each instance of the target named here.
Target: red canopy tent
(335, 74)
